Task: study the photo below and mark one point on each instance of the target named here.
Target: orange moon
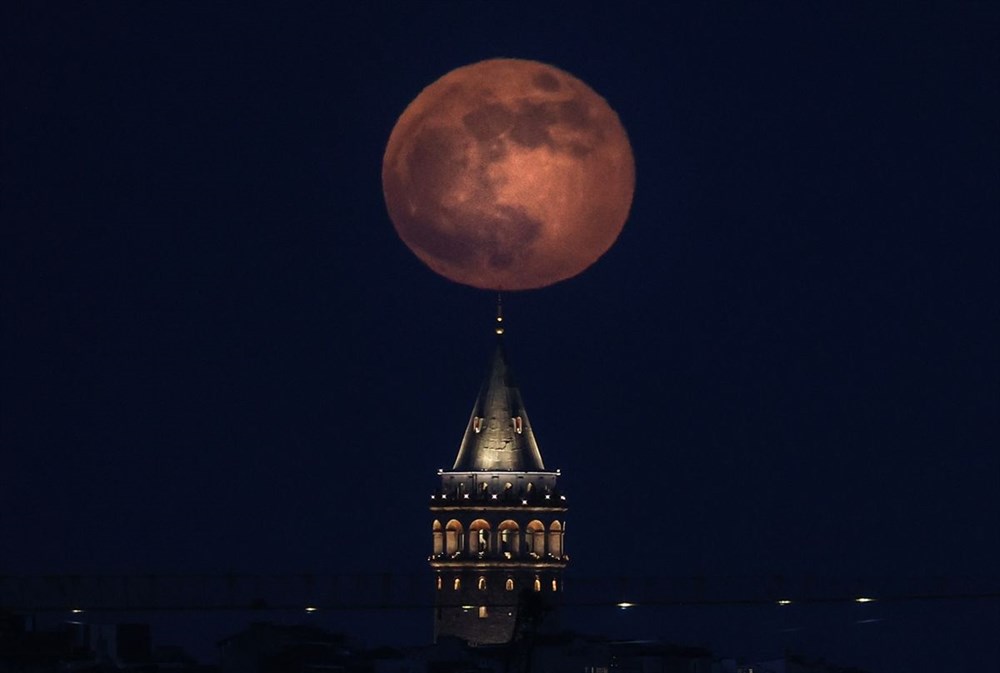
(508, 174)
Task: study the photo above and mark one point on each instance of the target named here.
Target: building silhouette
(498, 525)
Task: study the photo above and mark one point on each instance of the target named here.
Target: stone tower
(498, 520)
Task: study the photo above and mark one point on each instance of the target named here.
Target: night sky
(219, 357)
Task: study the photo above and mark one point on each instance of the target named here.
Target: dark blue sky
(217, 355)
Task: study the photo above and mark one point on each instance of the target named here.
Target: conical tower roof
(499, 436)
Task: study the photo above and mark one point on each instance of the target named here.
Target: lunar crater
(546, 81)
(489, 121)
(531, 125)
(437, 160)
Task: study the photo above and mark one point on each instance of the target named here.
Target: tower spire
(499, 435)
(499, 325)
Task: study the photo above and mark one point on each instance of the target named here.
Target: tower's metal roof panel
(499, 435)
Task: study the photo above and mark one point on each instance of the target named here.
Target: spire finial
(499, 325)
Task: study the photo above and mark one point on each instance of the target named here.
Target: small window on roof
(477, 424)
(518, 424)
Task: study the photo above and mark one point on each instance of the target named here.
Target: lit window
(518, 424)
(458, 584)
(555, 585)
(477, 424)
(482, 584)
(483, 613)
(538, 584)
(509, 586)
(439, 582)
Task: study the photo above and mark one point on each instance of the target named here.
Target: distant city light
(311, 609)
(864, 599)
(625, 606)
(784, 601)
(76, 611)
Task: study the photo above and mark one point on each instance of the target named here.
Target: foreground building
(498, 548)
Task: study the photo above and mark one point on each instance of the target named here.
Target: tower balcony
(456, 498)
(487, 561)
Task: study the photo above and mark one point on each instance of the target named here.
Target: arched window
(437, 532)
(439, 583)
(538, 583)
(556, 539)
(555, 585)
(534, 538)
(458, 584)
(480, 531)
(482, 584)
(454, 538)
(509, 538)
(509, 585)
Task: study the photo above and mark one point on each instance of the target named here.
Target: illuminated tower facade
(498, 520)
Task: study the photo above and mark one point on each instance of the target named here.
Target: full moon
(508, 174)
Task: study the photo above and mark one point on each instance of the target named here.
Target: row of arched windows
(456, 584)
(451, 540)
